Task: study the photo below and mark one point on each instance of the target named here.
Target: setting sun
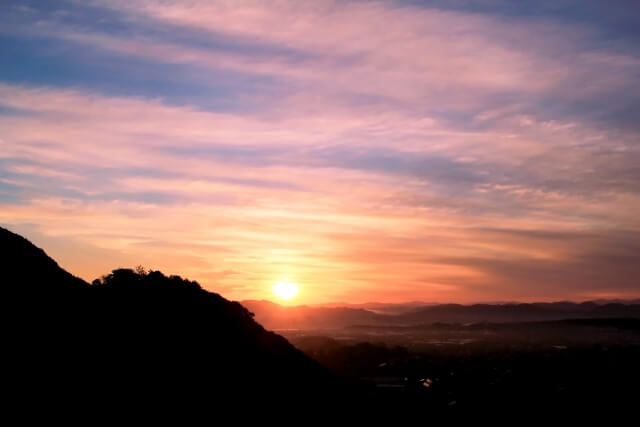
(285, 290)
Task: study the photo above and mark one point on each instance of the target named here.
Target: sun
(285, 291)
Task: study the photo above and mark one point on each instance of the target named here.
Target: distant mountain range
(380, 307)
(136, 338)
(406, 307)
(278, 317)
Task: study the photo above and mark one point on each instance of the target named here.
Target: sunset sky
(445, 151)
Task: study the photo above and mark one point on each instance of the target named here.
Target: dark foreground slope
(137, 339)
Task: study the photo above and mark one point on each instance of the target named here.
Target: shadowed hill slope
(27, 268)
(138, 338)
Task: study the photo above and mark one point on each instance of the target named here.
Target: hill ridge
(139, 335)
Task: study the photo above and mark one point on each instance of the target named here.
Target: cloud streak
(450, 157)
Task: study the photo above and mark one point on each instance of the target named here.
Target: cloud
(452, 156)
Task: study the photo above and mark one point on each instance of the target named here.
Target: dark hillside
(137, 338)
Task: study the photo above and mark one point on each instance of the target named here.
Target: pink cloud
(343, 227)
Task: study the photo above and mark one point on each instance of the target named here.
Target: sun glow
(285, 291)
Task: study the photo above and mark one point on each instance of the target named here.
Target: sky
(439, 151)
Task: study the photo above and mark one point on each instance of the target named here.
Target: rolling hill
(137, 338)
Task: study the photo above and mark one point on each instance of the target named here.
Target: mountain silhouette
(137, 339)
(28, 269)
(275, 316)
(456, 313)
(279, 317)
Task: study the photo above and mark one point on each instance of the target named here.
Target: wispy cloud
(450, 156)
